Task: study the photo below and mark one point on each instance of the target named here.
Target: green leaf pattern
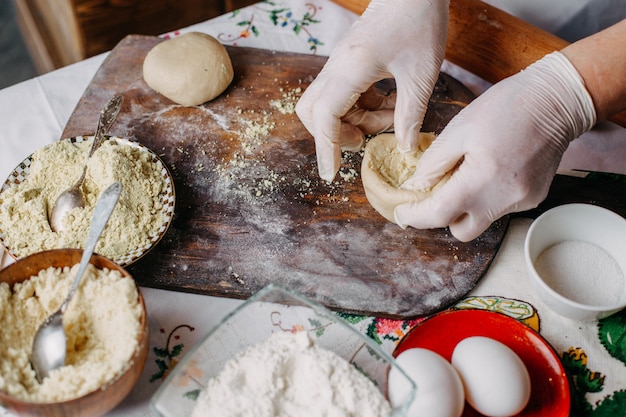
(281, 17)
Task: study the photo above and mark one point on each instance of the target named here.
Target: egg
(439, 389)
(496, 381)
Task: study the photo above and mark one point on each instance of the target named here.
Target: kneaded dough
(384, 169)
(190, 69)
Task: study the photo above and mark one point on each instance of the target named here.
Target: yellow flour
(24, 207)
(102, 323)
(385, 168)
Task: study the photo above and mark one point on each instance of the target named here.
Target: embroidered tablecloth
(33, 114)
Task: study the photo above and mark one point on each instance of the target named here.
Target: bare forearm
(601, 61)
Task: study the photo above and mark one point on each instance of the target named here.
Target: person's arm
(507, 144)
(601, 61)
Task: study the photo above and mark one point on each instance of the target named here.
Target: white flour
(288, 375)
(583, 272)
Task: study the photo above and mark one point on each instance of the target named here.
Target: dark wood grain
(236, 229)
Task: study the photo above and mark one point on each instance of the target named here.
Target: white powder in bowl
(288, 375)
(102, 324)
(582, 272)
(24, 207)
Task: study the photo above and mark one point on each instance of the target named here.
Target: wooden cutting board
(250, 208)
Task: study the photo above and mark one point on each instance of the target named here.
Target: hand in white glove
(404, 39)
(508, 144)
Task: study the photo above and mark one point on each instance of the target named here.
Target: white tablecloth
(34, 113)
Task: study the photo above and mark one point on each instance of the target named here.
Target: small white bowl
(581, 281)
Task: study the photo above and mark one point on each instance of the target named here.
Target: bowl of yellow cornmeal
(141, 218)
(105, 324)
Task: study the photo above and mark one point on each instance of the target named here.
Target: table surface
(34, 113)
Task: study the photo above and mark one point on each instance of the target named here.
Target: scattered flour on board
(245, 174)
(288, 375)
(287, 105)
(583, 272)
(257, 192)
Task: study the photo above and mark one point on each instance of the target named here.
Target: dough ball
(190, 69)
(384, 169)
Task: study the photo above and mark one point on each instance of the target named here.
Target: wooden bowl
(105, 398)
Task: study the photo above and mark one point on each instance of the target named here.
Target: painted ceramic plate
(550, 395)
(168, 199)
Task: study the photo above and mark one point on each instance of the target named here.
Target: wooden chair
(61, 32)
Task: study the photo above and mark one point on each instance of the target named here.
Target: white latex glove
(403, 39)
(508, 144)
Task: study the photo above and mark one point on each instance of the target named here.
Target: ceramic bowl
(273, 309)
(576, 258)
(550, 394)
(167, 200)
(105, 398)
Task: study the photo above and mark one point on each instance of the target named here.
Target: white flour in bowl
(288, 375)
(582, 272)
(102, 324)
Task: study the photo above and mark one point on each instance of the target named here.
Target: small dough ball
(384, 169)
(190, 69)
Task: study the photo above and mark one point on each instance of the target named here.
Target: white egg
(496, 380)
(439, 389)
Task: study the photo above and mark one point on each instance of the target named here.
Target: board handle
(489, 42)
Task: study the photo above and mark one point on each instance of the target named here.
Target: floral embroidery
(583, 380)
(612, 335)
(191, 373)
(248, 29)
(282, 17)
(393, 330)
(517, 309)
(316, 326)
(380, 329)
(167, 357)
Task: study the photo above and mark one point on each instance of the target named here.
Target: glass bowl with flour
(281, 354)
(576, 258)
(105, 324)
(140, 219)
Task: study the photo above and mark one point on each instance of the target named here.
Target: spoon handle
(105, 121)
(107, 116)
(104, 207)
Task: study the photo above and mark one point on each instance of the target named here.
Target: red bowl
(550, 389)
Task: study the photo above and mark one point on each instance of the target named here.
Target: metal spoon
(49, 343)
(73, 197)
